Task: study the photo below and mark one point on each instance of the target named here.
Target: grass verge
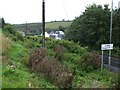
(15, 73)
(0, 58)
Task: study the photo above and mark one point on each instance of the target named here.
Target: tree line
(92, 28)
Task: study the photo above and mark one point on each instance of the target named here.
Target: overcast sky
(21, 11)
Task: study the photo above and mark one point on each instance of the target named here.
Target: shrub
(72, 47)
(41, 63)
(70, 60)
(8, 28)
(116, 52)
(19, 36)
(50, 43)
(59, 50)
(36, 56)
(6, 43)
(90, 61)
(116, 81)
(58, 74)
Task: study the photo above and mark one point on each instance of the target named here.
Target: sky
(30, 11)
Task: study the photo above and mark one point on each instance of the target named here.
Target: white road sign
(106, 46)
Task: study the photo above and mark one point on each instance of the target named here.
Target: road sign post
(106, 47)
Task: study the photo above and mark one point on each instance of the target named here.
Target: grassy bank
(0, 58)
(16, 73)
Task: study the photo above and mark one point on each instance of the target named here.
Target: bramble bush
(58, 74)
(59, 50)
(90, 61)
(41, 62)
(35, 57)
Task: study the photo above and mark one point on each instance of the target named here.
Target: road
(115, 63)
(112, 68)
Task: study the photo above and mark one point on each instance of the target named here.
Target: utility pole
(26, 28)
(110, 33)
(43, 23)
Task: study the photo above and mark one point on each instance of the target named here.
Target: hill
(36, 28)
(56, 24)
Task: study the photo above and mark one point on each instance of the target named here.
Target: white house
(57, 34)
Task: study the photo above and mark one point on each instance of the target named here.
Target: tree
(116, 28)
(92, 27)
(61, 28)
(2, 22)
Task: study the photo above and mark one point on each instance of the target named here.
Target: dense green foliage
(17, 75)
(15, 72)
(0, 61)
(116, 27)
(93, 26)
(11, 32)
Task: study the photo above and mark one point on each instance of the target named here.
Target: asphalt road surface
(115, 63)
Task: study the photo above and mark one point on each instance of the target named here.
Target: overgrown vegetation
(15, 73)
(0, 58)
(61, 64)
(75, 58)
(61, 60)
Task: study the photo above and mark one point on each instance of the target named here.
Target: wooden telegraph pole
(43, 23)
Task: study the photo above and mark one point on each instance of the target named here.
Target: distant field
(37, 27)
(55, 25)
